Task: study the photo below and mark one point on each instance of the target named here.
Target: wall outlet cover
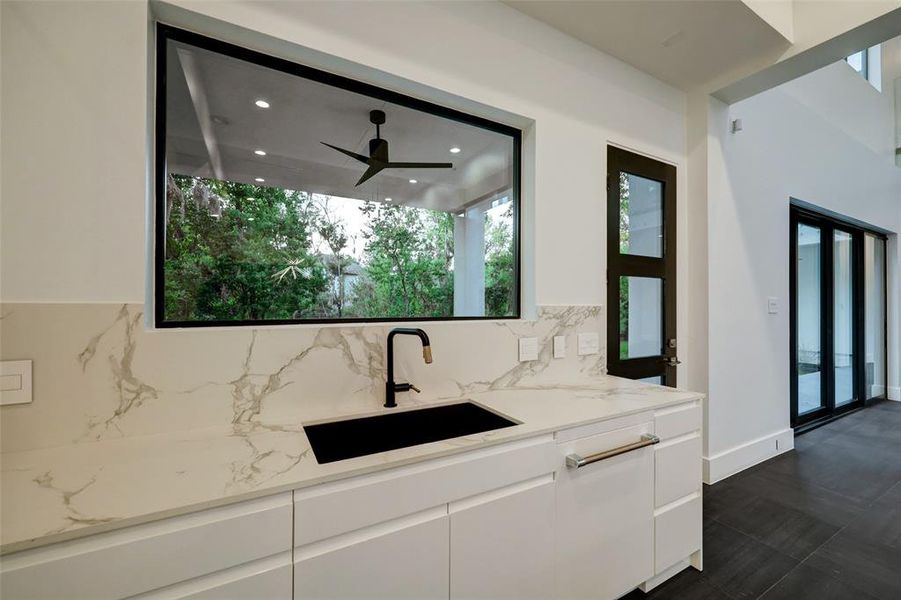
(15, 382)
(559, 346)
(772, 305)
(528, 349)
(589, 343)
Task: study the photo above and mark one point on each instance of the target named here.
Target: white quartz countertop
(61, 493)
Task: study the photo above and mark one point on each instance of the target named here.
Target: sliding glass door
(837, 317)
(809, 321)
(875, 325)
(843, 310)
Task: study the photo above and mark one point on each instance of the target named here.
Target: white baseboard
(894, 393)
(723, 464)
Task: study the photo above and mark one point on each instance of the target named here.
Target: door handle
(575, 461)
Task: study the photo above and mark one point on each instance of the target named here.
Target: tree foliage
(244, 252)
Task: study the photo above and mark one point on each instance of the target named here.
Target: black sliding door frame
(828, 226)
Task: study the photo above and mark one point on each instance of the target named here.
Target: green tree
(333, 233)
(239, 252)
(624, 229)
(407, 263)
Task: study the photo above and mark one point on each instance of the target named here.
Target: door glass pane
(640, 216)
(809, 344)
(843, 338)
(640, 317)
(657, 380)
(874, 292)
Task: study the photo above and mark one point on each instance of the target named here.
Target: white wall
(787, 149)
(75, 100)
(73, 147)
(848, 102)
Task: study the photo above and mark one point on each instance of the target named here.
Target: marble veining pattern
(130, 424)
(100, 374)
(54, 494)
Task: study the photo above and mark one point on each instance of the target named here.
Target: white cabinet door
(404, 558)
(502, 543)
(605, 517)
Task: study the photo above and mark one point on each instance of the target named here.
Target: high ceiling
(687, 43)
(214, 129)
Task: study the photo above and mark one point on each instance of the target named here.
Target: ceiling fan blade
(354, 155)
(420, 165)
(370, 172)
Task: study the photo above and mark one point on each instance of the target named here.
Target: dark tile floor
(821, 522)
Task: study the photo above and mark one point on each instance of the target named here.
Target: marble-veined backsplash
(99, 373)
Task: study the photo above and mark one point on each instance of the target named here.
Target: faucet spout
(390, 386)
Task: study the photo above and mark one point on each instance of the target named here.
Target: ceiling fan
(377, 160)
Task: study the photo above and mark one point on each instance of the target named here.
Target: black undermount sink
(339, 440)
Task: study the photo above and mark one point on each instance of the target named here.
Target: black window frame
(165, 32)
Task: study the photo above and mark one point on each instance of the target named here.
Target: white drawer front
(405, 559)
(267, 579)
(678, 420)
(146, 557)
(677, 533)
(332, 509)
(677, 469)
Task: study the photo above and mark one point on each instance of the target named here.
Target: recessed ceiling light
(260, 152)
(259, 180)
(387, 199)
(262, 103)
(413, 181)
(455, 150)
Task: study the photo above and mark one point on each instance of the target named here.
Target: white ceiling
(213, 128)
(687, 43)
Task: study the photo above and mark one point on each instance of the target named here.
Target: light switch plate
(528, 349)
(772, 305)
(15, 382)
(559, 346)
(589, 343)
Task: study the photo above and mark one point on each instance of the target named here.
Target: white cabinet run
(589, 512)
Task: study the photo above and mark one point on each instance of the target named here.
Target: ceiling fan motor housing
(378, 149)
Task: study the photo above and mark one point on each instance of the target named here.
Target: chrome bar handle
(574, 461)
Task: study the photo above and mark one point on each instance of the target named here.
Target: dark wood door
(641, 268)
